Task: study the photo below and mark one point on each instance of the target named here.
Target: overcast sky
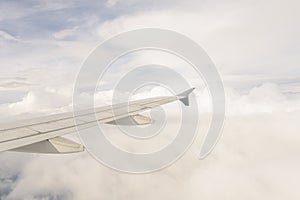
(255, 46)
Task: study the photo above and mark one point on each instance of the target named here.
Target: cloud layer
(254, 159)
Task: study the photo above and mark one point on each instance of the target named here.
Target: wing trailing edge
(57, 145)
(132, 120)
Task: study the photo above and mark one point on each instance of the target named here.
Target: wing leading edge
(42, 135)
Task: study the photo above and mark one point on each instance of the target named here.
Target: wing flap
(132, 120)
(57, 145)
(141, 119)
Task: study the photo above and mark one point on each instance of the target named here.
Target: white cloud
(253, 160)
(111, 3)
(241, 38)
(60, 35)
(266, 98)
(6, 36)
(38, 102)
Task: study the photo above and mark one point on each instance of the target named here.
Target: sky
(253, 44)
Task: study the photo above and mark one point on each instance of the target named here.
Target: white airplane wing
(43, 135)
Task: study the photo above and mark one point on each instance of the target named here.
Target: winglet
(184, 96)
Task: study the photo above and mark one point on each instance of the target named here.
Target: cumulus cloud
(257, 153)
(254, 159)
(37, 103)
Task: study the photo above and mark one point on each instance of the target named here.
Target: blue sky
(256, 39)
(39, 19)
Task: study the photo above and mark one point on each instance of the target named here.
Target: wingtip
(186, 92)
(184, 96)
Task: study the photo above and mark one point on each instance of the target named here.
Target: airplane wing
(43, 135)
